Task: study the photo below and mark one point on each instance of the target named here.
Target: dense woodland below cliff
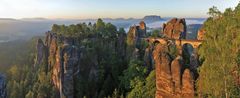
(110, 67)
(116, 75)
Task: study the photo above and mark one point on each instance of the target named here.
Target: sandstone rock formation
(134, 38)
(175, 29)
(41, 51)
(173, 78)
(201, 34)
(148, 57)
(137, 32)
(163, 72)
(62, 59)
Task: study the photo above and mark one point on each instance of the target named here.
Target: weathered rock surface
(148, 57)
(173, 78)
(62, 58)
(134, 38)
(175, 29)
(41, 51)
(3, 90)
(137, 32)
(201, 34)
(163, 72)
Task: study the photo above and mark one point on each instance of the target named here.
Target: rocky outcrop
(41, 53)
(3, 90)
(201, 34)
(134, 38)
(148, 57)
(137, 32)
(62, 59)
(163, 72)
(173, 78)
(175, 29)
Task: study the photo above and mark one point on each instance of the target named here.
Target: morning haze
(83, 9)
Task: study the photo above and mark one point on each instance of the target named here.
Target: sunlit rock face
(173, 78)
(3, 90)
(62, 60)
(201, 34)
(175, 29)
(163, 72)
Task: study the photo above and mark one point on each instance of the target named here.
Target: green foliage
(220, 52)
(17, 52)
(143, 88)
(214, 12)
(102, 60)
(156, 33)
(135, 70)
(105, 70)
(26, 81)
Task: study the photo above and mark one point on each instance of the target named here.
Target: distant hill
(152, 18)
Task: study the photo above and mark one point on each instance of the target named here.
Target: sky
(84, 9)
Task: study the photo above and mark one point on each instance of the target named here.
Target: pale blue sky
(79, 9)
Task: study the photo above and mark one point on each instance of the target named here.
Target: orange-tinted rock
(176, 67)
(175, 28)
(201, 34)
(187, 84)
(163, 73)
(171, 80)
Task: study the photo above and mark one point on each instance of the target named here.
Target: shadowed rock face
(41, 51)
(175, 29)
(135, 35)
(62, 60)
(173, 78)
(3, 90)
(137, 32)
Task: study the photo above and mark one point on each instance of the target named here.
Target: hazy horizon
(86, 9)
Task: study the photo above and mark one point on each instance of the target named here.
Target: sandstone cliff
(134, 39)
(175, 29)
(173, 78)
(200, 34)
(62, 59)
(175, 75)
